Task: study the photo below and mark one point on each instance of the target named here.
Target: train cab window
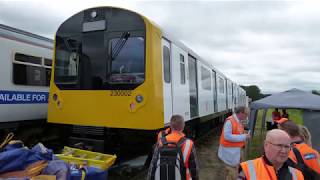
(182, 70)
(127, 60)
(221, 85)
(29, 70)
(205, 79)
(166, 64)
(67, 60)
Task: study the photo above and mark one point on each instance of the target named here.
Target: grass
(254, 148)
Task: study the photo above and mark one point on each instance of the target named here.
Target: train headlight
(139, 98)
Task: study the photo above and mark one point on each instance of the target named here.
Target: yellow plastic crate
(89, 158)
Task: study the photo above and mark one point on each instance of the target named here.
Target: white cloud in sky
(272, 44)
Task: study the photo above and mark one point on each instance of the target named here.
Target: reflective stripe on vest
(293, 172)
(252, 171)
(188, 177)
(186, 149)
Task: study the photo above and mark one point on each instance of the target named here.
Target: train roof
(171, 38)
(167, 35)
(24, 36)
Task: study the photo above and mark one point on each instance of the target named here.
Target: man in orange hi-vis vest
(232, 140)
(302, 156)
(174, 146)
(273, 164)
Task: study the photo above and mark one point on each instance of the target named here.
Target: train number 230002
(120, 93)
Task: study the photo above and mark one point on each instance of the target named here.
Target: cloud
(275, 45)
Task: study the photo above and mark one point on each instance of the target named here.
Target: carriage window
(221, 85)
(205, 78)
(229, 88)
(182, 70)
(47, 62)
(28, 70)
(166, 64)
(27, 58)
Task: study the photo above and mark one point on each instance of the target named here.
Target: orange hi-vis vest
(282, 120)
(257, 169)
(186, 149)
(310, 156)
(237, 128)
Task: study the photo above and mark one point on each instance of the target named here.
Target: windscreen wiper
(72, 44)
(119, 45)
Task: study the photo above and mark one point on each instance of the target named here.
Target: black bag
(170, 161)
(307, 172)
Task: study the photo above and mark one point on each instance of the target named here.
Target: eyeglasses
(246, 113)
(280, 146)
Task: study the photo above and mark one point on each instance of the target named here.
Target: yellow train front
(107, 71)
(117, 78)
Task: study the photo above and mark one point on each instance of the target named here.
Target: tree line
(254, 92)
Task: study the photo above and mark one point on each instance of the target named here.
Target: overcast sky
(272, 44)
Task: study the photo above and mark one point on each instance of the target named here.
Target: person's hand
(248, 136)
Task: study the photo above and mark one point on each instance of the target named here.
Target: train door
(167, 87)
(193, 88)
(214, 91)
(179, 83)
(226, 91)
(229, 94)
(233, 97)
(221, 93)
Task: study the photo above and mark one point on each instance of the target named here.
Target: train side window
(28, 70)
(166, 64)
(48, 76)
(229, 88)
(48, 67)
(182, 70)
(27, 58)
(221, 85)
(205, 78)
(47, 62)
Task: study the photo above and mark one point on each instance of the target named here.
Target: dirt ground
(207, 152)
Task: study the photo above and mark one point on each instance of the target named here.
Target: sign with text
(23, 97)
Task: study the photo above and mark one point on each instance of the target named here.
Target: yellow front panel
(116, 109)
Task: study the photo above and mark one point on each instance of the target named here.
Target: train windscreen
(100, 48)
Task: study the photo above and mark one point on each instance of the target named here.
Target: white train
(25, 63)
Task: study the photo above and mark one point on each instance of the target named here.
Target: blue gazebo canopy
(291, 99)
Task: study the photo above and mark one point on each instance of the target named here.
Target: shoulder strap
(181, 141)
(298, 155)
(164, 141)
(163, 133)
